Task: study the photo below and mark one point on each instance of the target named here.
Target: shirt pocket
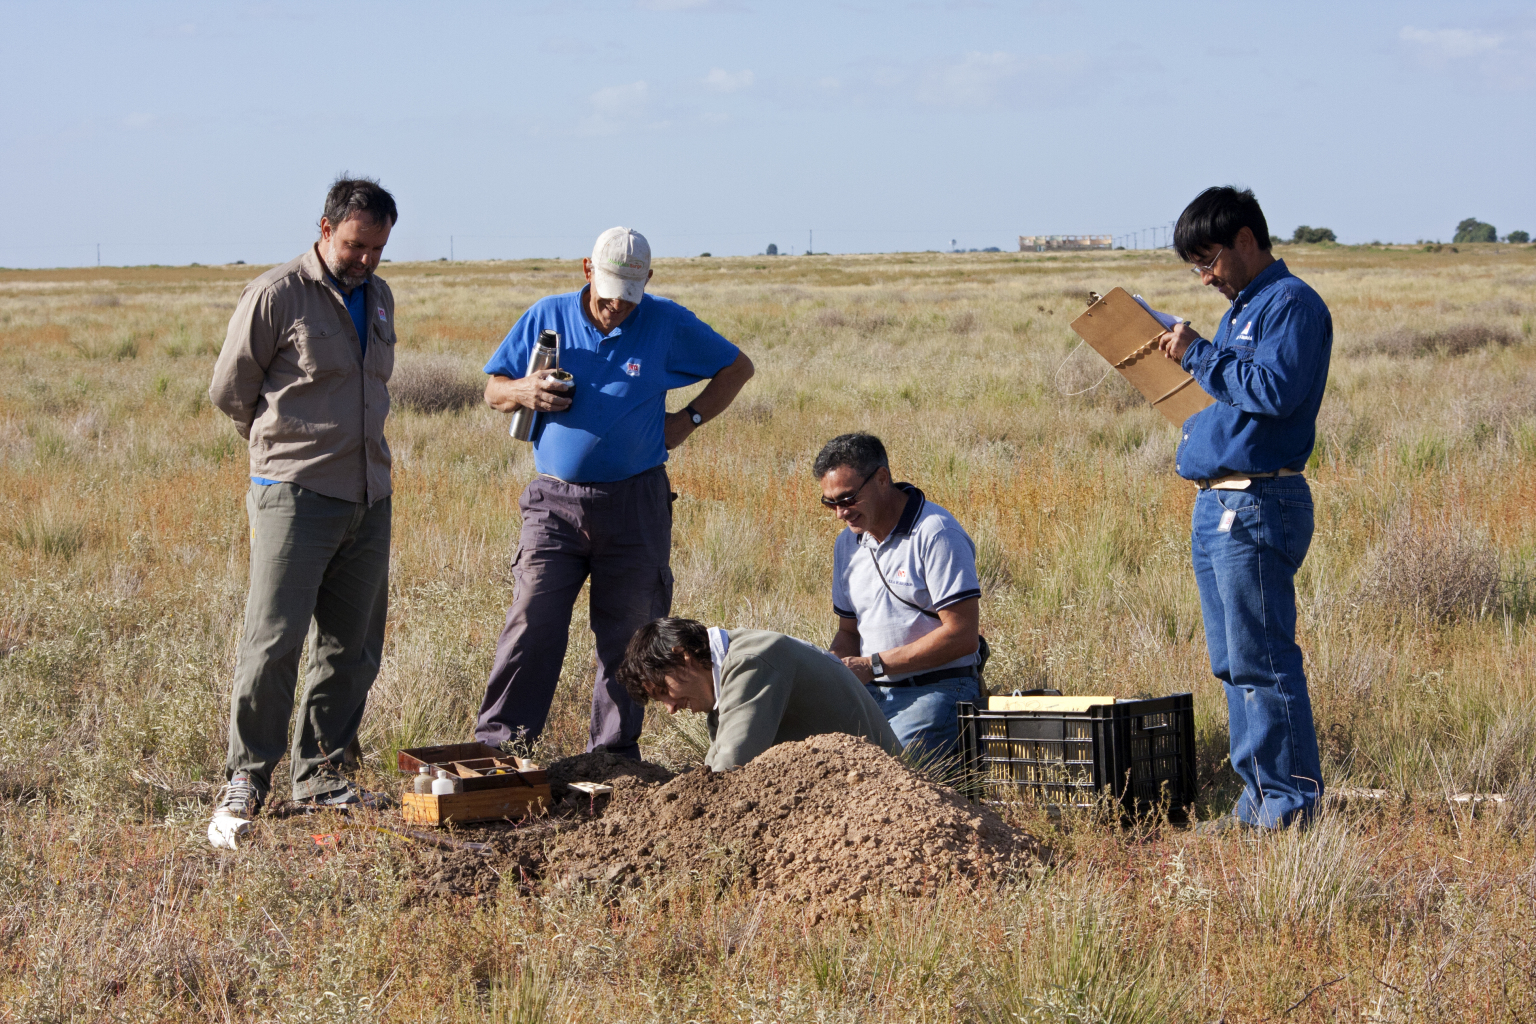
(323, 348)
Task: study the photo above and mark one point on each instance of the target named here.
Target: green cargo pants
(318, 566)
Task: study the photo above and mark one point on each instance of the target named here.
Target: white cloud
(1506, 60)
(974, 81)
(1451, 43)
(720, 80)
(616, 108)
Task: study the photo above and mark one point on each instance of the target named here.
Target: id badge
(1227, 519)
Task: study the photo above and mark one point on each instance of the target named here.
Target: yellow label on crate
(1046, 703)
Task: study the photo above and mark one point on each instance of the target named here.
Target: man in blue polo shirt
(905, 592)
(1252, 523)
(601, 503)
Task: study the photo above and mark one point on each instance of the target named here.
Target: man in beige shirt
(758, 688)
(303, 374)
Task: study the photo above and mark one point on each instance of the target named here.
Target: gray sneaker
(1227, 823)
(348, 797)
(239, 801)
(241, 797)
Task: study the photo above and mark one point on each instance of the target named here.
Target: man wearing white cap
(601, 505)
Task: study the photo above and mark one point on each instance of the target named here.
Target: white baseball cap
(621, 264)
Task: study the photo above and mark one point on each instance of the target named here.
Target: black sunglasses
(850, 499)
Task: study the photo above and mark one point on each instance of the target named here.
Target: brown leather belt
(1240, 481)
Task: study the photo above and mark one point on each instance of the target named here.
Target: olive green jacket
(776, 689)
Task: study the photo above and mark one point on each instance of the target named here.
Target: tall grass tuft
(48, 533)
(1086, 965)
(1434, 570)
(1310, 877)
(432, 384)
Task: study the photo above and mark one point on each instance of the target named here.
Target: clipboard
(1117, 328)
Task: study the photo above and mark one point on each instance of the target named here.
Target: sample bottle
(545, 354)
(423, 781)
(445, 784)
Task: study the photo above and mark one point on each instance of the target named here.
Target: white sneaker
(239, 802)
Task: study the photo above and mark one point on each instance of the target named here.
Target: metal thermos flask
(546, 354)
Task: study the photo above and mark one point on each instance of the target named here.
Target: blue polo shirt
(1266, 368)
(613, 428)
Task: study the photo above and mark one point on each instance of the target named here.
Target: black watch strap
(694, 416)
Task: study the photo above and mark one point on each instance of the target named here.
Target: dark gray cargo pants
(621, 534)
(318, 566)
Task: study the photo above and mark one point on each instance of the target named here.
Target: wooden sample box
(496, 785)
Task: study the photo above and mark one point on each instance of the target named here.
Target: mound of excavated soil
(828, 820)
(622, 773)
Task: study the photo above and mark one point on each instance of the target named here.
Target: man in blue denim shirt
(1266, 368)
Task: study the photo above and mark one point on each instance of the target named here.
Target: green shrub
(1474, 230)
(1313, 235)
(1518, 237)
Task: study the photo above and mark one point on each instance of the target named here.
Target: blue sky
(179, 132)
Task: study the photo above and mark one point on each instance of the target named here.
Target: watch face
(697, 418)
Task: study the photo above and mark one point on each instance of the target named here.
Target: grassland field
(122, 583)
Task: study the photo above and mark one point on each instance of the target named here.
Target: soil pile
(516, 852)
(622, 773)
(828, 820)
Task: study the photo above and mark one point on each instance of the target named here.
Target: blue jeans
(926, 715)
(1246, 574)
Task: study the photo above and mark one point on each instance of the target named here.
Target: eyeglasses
(1210, 267)
(851, 498)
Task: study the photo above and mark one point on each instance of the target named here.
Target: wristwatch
(876, 666)
(694, 415)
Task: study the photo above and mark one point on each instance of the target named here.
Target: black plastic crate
(1141, 751)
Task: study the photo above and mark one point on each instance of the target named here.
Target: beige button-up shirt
(293, 377)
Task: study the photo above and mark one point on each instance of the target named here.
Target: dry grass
(122, 576)
(429, 384)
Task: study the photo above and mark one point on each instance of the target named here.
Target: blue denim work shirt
(1266, 368)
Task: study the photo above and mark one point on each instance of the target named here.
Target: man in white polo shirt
(905, 591)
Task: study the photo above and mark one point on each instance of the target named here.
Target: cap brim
(612, 286)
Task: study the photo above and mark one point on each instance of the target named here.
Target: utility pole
(98, 254)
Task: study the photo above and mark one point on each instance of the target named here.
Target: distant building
(1050, 243)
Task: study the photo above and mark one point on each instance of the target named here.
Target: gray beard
(347, 281)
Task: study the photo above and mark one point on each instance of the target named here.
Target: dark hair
(359, 197)
(862, 453)
(1215, 218)
(653, 652)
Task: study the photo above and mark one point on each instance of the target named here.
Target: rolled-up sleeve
(249, 347)
(1276, 377)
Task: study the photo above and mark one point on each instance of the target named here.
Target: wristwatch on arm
(694, 416)
(876, 666)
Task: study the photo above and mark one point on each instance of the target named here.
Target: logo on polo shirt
(1247, 334)
(381, 314)
(632, 367)
(901, 574)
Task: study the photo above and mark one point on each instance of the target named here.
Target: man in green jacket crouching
(758, 688)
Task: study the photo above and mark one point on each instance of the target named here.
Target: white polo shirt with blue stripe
(928, 559)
